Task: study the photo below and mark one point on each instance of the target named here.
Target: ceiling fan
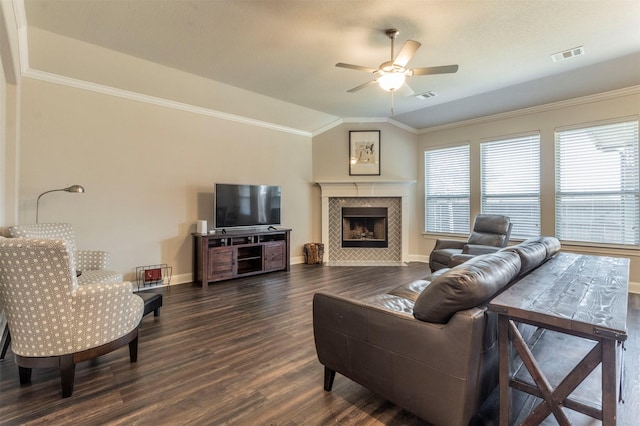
(391, 75)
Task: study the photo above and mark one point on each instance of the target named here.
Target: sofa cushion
(410, 291)
(532, 255)
(390, 302)
(466, 286)
(552, 244)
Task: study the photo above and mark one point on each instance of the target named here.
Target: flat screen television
(246, 205)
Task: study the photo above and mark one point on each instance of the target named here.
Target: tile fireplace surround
(393, 195)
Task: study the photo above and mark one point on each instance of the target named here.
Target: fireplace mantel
(365, 189)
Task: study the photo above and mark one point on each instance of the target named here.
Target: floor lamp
(72, 188)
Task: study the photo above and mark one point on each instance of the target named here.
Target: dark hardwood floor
(239, 352)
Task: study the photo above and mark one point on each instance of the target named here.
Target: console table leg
(609, 387)
(503, 348)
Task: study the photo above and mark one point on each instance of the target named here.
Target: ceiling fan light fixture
(391, 81)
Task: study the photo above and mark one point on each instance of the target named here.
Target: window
(597, 184)
(510, 182)
(446, 177)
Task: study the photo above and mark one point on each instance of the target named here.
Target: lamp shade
(75, 188)
(391, 81)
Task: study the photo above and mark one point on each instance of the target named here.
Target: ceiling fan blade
(445, 69)
(356, 67)
(406, 90)
(406, 53)
(362, 86)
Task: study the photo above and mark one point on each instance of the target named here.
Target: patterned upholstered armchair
(55, 322)
(93, 265)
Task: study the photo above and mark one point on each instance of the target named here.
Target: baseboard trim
(297, 260)
(182, 278)
(418, 258)
(634, 288)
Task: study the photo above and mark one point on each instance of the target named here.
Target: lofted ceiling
(287, 49)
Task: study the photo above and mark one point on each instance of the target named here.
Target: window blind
(447, 189)
(510, 182)
(597, 184)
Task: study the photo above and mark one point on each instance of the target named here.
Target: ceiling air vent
(426, 95)
(561, 56)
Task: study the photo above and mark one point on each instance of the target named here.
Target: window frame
(557, 183)
(523, 138)
(466, 225)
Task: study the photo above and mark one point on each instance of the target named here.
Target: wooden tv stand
(219, 256)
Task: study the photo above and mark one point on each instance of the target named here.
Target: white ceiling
(287, 49)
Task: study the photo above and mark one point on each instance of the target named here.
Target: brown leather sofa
(429, 346)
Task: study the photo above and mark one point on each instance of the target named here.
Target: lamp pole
(73, 188)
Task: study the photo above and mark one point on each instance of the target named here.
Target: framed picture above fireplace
(364, 152)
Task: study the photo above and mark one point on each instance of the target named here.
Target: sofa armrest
(478, 249)
(433, 370)
(104, 312)
(87, 260)
(449, 244)
(459, 259)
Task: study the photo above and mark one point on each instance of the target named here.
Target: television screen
(246, 205)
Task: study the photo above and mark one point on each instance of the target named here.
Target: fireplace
(392, 196)
(364, 227)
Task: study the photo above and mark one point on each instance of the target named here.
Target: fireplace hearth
(364, 227)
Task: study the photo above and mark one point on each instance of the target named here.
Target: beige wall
(148, 172)
(609, 106)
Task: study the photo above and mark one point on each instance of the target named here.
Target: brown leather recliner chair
(490, 234)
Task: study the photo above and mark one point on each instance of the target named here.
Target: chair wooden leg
(329, 375)
(6, 335)
(133, 350)
(25, 375)
(67, 375)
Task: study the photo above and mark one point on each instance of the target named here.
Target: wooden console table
(570, 295)
(222, 256)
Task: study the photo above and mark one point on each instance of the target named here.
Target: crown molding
(360, 120)
(632, 90)
(135, 96)
(327, 127)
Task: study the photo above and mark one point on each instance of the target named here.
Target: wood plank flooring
(239, 352)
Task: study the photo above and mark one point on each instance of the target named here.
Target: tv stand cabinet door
(221, 263)
(275, 256)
